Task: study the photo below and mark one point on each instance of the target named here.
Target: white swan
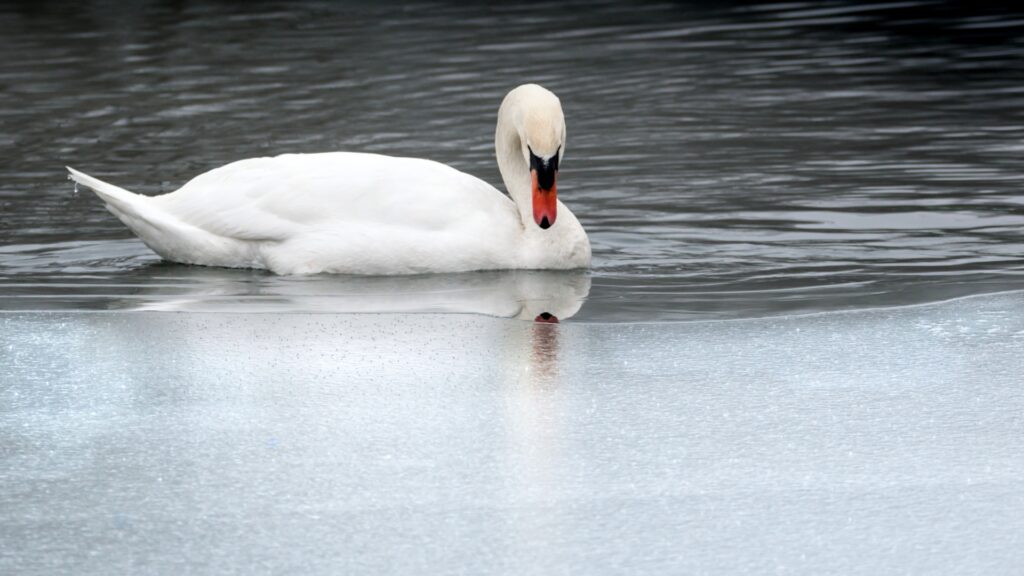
(358, 213)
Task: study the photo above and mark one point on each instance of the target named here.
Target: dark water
(726, 160)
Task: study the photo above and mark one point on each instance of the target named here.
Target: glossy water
(726, 160)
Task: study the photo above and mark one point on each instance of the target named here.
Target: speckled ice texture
(872, 442)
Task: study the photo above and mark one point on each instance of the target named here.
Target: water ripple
(726, 160)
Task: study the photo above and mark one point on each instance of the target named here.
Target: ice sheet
(879, 441)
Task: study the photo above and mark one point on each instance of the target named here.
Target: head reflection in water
(546, 318)
(544, 352)
(544, 347)
(537, 430)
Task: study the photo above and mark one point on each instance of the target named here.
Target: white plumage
(358, 213)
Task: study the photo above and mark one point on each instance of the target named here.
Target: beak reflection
(546, 318)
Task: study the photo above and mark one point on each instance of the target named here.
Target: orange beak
(545, 203)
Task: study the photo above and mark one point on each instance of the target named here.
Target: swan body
(355, 213)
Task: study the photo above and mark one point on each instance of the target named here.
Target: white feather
(352, 213)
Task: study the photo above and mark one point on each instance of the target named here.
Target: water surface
(841, 182)
(727, 161)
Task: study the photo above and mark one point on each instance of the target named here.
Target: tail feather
(164, 233)
(121, 202)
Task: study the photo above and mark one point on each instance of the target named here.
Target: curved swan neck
(530, 123)
(508, 147)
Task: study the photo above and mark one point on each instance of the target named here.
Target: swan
(358, 213)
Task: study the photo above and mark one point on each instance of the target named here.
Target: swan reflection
(544, 296)
(544, 353)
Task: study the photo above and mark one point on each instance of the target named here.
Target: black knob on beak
(545, 169)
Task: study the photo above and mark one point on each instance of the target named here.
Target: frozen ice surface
(870, 442)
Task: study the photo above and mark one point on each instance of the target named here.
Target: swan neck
(511, 162)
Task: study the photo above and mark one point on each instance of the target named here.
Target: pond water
(798, 350)
(727, 161)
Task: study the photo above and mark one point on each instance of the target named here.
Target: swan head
(537, 134)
